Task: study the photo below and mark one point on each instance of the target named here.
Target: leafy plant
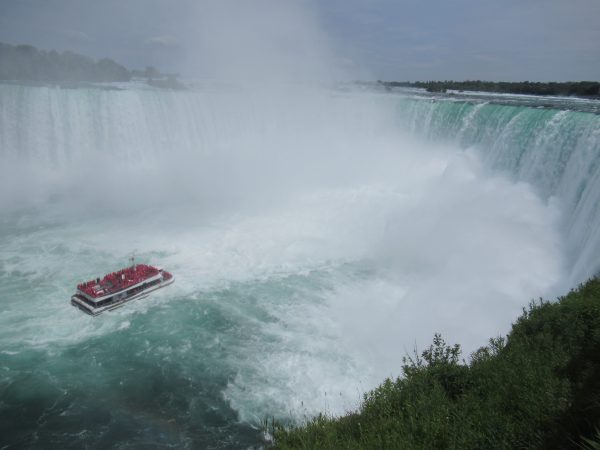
(538, 387)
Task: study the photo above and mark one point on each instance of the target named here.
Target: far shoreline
(580, 89)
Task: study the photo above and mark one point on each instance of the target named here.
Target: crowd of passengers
(118, 280)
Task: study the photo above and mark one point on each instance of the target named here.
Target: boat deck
(117, 288)
(118, 281)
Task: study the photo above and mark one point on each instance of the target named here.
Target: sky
(508, 40)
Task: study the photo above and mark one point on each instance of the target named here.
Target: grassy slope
(537, 388)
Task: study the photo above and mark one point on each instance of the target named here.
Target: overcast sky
(377, 39)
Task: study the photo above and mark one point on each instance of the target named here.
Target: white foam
(392, 240)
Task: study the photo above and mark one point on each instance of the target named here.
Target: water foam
(313, 242)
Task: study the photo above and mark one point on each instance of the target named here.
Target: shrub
(538, 387)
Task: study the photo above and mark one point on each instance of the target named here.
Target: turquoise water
(158, 373)
(315, 237)
(556, 150)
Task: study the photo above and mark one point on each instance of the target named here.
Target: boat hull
(78, 302)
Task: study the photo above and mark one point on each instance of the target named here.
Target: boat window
(104, 302)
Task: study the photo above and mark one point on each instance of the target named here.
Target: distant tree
(108, 70)
(580, 88)
(151, 73)
(25, 62)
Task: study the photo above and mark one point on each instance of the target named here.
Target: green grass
(539, 387)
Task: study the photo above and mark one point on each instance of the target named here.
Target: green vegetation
(537, 388)
(25, 62)
(570, 88)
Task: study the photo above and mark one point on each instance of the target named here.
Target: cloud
(76, 36)
(487, 58)
(388, 39)
(163, 41)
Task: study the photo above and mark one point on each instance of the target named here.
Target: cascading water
(316, 237)
(557, 151)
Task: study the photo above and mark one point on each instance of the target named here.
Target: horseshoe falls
(556, 151)
(316, 235)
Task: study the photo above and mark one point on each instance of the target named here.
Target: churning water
(316, 237)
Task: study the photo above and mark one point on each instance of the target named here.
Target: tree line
(569, 88)
(27, 63)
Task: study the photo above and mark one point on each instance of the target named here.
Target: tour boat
(117, 288)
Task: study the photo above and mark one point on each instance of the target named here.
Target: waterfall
(317, 236)
(63, 132)
(556, 151)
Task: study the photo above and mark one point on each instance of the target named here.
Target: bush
(537, 388)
